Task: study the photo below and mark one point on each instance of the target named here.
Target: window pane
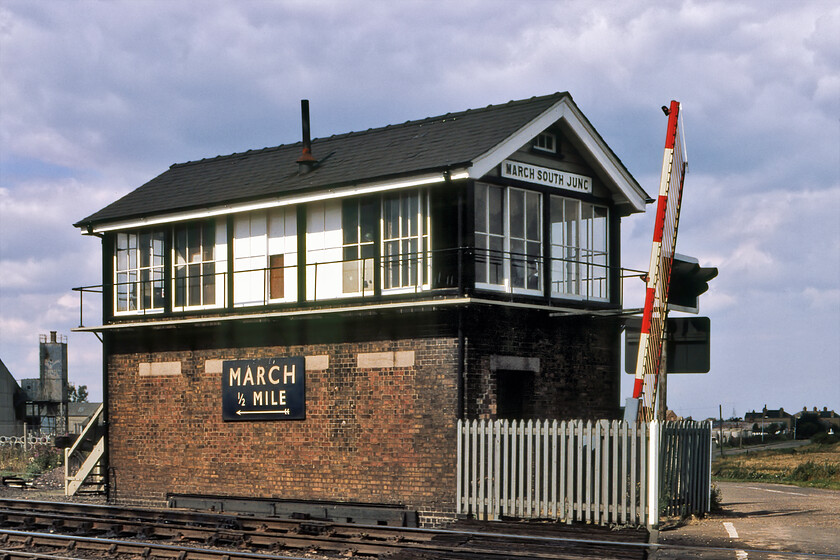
(392, 217)
(180, 286)
(145, 250)
(481, 258)
(411, 215)
(276, 277)
(132, 251)
(181, 245)
(193, 244)
(495, 199)
(517, 263)
(208, 241)
(145, 288)
(368, 221)
(534, 265)
(122, 251)
(157, 249)
(533, 216)
(496, 260)
(158, 289)
(517, 213)
(209, 281)
(405, 215)
(350, 221)
(132, 291)
(194, 282)
(481, 208)
(122, 292)
(599, 239)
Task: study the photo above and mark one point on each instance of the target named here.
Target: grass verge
(813, 465)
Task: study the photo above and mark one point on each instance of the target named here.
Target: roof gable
(469, 142)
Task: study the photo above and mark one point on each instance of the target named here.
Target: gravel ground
(47, 487)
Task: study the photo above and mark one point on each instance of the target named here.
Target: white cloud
(98, 98)
(823, 298)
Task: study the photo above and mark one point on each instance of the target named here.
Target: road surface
(758, 518)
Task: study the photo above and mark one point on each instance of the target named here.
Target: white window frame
(130, 276)
(323, 250)
(258, 238)
(411, 227)
(506, 260)
(577, 268)
(358, 247)
(196, 265)
(546, 138)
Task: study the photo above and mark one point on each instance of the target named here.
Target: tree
(808, 425)
(77, 394)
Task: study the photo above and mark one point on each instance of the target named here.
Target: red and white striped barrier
(674, 167)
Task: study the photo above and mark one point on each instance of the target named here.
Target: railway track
(117, 532)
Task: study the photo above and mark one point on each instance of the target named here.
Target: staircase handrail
(94, 419)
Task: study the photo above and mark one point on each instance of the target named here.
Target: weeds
(812, 470)
(32, 462)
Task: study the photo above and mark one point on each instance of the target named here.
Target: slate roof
(431, 144)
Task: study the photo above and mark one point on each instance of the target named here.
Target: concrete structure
(46, 396)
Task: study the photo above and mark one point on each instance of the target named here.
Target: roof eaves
(428, 176)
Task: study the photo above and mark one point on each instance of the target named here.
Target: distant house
(827, 418)
(769, 416)
(11, 404)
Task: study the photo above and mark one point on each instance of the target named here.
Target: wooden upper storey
(520, 201)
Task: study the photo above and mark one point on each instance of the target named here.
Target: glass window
(489, 234)
(579, 263)
(405, 240)
(198, 256)
(508, 238)
(138, 271)
(264, 247)
(545, 141)
(358, 225)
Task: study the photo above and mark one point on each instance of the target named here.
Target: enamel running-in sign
(264, 389)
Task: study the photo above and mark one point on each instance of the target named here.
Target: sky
(96, 98)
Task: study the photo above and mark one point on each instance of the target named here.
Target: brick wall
(381, 403)
(574, 361)
(381, 433)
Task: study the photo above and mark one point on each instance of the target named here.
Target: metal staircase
(84, 459)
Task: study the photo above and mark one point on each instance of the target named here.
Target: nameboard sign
(264, 389)
(545, 176)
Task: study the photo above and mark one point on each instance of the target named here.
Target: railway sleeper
(224, 538)
(312, 529)
(84, 528)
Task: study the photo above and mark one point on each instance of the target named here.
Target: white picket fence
(586, 471)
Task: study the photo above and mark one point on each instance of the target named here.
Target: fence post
(653, 474)
(459, 461)
(708, 473)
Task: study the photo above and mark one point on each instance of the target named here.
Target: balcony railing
(411, 273)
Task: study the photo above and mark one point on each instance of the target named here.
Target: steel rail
(69, 543)
(272, 533)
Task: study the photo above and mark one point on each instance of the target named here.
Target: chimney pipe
(305, 162)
